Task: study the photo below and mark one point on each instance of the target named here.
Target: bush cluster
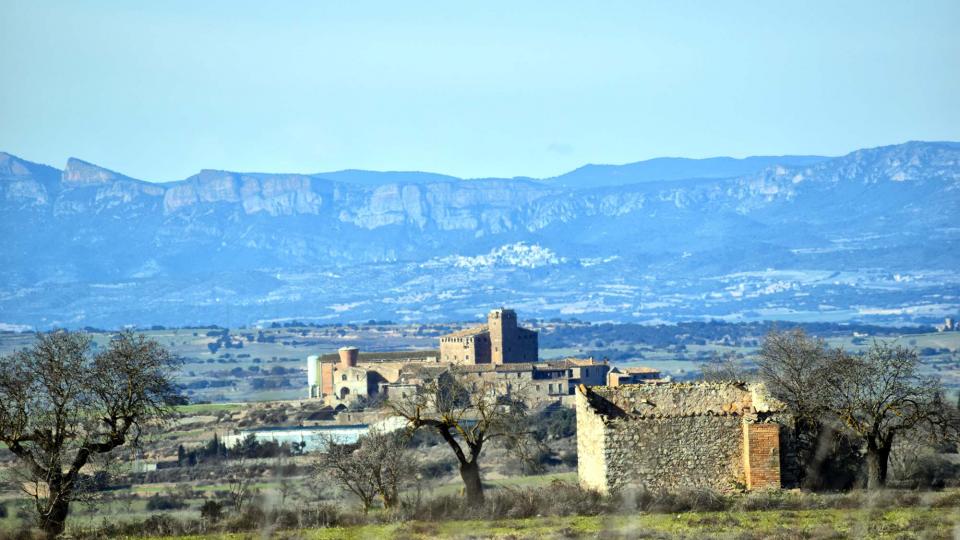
(559, 499)
(165, 502)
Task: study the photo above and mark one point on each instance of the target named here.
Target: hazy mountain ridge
(660, 169)
(83, 240)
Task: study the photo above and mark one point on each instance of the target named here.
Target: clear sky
(159, 90)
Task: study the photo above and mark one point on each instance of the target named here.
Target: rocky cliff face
(892, 209)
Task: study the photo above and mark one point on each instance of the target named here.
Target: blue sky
(158, 90)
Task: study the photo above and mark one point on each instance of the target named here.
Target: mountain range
(871, 235)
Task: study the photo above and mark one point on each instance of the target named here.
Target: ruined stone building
(500, 341)
(724, 436)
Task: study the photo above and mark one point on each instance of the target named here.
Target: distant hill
(871, 235)
(377, 178)
(659, 169)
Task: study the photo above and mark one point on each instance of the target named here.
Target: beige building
(343, 377)
(635, 375)
(500, 341)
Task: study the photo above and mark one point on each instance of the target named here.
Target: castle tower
(503, 330)
(348, 357)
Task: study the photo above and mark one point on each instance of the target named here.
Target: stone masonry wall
(680, 399)
(676, 436)
(675, 453)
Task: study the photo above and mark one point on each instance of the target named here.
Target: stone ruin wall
(681, 436)
(675, 453)
(678, 399)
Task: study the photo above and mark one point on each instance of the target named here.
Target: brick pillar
(761, 455)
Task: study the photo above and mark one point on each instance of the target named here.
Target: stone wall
(679, 399)
(723, 436)
(468, 349)
(675, 453)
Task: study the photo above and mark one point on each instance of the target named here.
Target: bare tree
(878, 395)
(338, 461)
(378, 464)
(286, 488)
(468, 412)
(724, 368)
(792, 367)
(60, 406)
(390, 462)
(239, 483)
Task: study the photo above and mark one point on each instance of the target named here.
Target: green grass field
(204, 409)
(852, 523)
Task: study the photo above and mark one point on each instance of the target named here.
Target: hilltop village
(499, 351)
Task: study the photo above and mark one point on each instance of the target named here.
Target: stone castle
(726, 436)
(499, 352)
(500, 341)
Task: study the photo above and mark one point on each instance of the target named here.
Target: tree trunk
(390, 498)
(878, 456)
(470, 473)
(55, 520)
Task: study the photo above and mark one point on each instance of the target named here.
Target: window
(343, 377)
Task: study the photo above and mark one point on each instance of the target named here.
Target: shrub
(569, 458)
(929, 470)
(555, 424)
(440, 508)
(696, 500)
(23, 533)
(950, 500)
(557, 499)
(253, 517)
(165, 502)
(437, 469)
(769, 500)
(158, 525)
(211, 511)
(564, 499)
(321, 515)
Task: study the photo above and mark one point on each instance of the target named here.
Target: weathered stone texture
(723, 436)
(672, 453)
